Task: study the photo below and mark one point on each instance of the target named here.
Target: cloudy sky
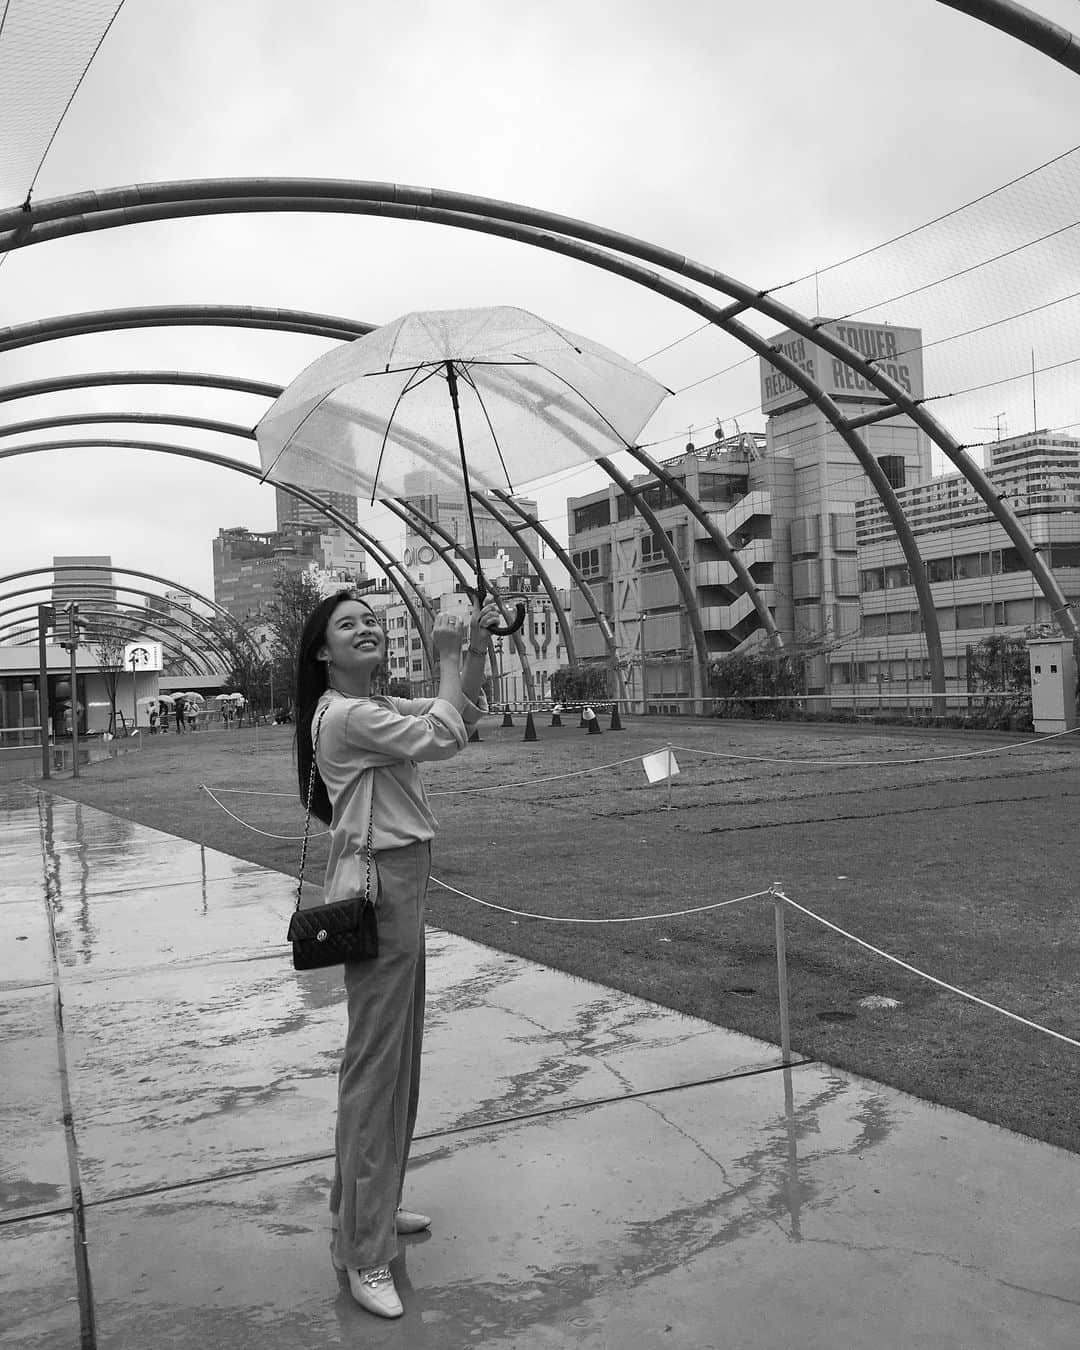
(766, 140)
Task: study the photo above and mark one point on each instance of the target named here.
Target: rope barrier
(290, 838)
(974, 998)
(630, 918)
(876, 763)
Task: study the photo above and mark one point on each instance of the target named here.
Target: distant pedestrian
(163, 710)
(180, 709)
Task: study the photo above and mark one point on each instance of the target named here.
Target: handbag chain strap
(307, 818)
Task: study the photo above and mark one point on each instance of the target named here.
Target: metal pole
(782, 982)
(44, 612)
(669, 775)
(73, 637)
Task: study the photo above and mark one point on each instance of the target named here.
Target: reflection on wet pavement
(602, 1171)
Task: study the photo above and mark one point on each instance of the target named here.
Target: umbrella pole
(451, 379)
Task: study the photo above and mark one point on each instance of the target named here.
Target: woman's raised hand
(481, 621)
(447, 635)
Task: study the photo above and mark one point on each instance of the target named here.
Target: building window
(591, 517)
(588, 562)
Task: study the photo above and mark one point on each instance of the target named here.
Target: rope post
(781, 976)
(670, 777)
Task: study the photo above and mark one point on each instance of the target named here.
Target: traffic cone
(507, 721)
(583, 720)
(592, 722)
(474, 735)
(530, 729)
(556, 720)
(616, 720)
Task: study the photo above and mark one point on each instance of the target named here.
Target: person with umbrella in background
(356, 757)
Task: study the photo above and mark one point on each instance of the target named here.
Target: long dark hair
(311, 684)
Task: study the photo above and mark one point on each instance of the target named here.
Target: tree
(247, 671)
(588, 684)
(107, 642)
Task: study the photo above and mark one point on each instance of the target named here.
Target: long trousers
(379, 1080)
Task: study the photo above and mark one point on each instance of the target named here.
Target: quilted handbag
(346, 930)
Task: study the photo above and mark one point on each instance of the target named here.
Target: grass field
(964, 867)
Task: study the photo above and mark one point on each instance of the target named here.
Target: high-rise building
(91, 583)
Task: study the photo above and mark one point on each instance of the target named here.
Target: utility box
(1053, 684)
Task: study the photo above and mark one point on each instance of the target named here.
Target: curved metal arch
(64, 568)
(1027, 27)
(112, 208)
(27, 637)
(160, 623)
(370, 543)
(82, 323)
(169, 316)
(198, 665)
(846, 429)
(101, 378)
(516, 533)
(376, 550)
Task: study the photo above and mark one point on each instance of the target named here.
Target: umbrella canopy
(192, 697)
(393, 412)
(516, 396)
(152, 700)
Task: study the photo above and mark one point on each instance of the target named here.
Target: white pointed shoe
(375, 1291)
(409, 1221)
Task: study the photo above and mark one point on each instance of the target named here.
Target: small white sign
(142, 656)
(660, 765)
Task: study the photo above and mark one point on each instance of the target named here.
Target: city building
(247, 564)
(979, 584)
(295, 517)
(627, 571)
(91, 584)
(785, 499)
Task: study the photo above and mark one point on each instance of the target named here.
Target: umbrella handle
(482, 590)
(514, 624)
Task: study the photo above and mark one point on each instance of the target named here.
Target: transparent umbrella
(454, 399)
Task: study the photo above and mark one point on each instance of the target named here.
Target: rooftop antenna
(1034, 403)
(999, 419)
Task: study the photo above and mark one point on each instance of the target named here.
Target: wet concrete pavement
(602, 1172)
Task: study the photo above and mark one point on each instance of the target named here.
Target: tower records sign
(897, 352)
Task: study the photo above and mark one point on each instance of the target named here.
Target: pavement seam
(306, 1159)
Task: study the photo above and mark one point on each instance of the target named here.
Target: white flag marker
(660, 765)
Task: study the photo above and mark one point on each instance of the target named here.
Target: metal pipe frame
(57, 569)
(173, 316)
(867, 461)
(858, 447)
(686, 589)
(160, 623)
(426, 527)
(516, 532)
(363, 537)
(376, 550)
(15, 629)
(1018, 22)
(82, 212)
(83, 323)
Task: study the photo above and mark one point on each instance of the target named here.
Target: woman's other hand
(446, 636)
(481, 621)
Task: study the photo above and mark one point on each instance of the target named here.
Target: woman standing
(366, 747)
